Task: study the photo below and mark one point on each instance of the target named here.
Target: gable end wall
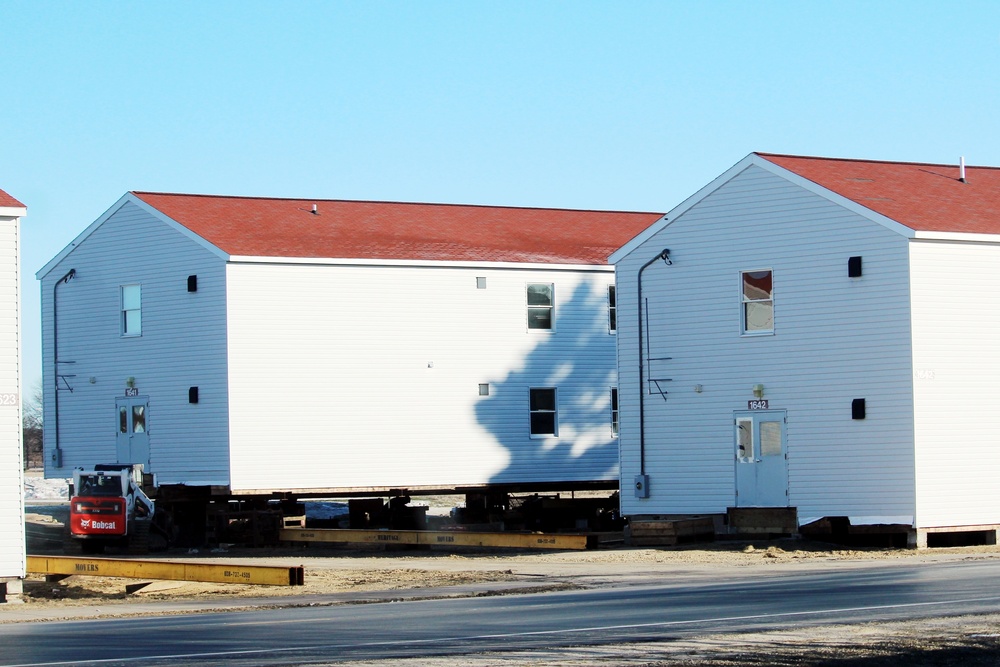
(182, 345)
(835, 339)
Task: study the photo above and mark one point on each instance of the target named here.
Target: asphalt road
(325, 635)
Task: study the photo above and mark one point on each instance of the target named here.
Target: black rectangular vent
(858, 408)
(854, 267)
(192, 394)
(192, 283)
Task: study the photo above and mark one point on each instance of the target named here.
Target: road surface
(384, 631)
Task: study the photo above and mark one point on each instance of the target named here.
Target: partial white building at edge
(819, 334)
(258, 345)
(12, 540)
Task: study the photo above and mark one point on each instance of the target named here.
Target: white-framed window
(614, 412)
(541, 301)
(612, 309)
(131, 309)
(543, 413)
(757, 301)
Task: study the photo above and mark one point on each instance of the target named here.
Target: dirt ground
(338, 575)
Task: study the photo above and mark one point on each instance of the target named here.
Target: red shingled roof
(923, 197)
(264, 227)
(7, 200)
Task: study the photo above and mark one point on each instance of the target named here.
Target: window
(484, 389)
(540, 305)
(612, 310)
(543, 411)
(758, 302)
(614, 412)
(131, 310)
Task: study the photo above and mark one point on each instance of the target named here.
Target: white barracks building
(818, 334)
(261, 345)
(12, 545)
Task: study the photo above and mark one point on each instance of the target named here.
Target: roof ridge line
(139, 194)
(863, 160)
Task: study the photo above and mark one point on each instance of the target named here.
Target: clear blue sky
(624, 105)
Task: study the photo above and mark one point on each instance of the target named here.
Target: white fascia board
(127, 198)
(13, 211)
(680, 209)
(356, 261)
(954, 236)
(831, 196)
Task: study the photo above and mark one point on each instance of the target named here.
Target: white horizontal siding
(835, 339)
(352, 376)
(956, 323)
(12, 561)
(182, 345)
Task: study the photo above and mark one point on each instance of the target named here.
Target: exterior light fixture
(758, 391)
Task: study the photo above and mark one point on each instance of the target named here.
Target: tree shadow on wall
(578, 360)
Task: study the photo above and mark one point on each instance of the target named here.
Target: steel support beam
(221, 573)
(447, 538)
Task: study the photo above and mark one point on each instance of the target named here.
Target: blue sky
(599, 105)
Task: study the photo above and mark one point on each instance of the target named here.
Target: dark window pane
(539, 318)
(539, 295)
(543, 423)
(543, 399)
(123, 419)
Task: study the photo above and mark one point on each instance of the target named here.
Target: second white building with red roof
(821, 335)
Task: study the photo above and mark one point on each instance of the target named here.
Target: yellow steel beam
(228, 573)
(440, 538)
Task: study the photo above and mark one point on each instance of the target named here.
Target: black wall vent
(858, 408)
(192, 394)
(192, 283)
(854, 267)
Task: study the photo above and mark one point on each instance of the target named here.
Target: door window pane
(744, 438)
(138, 419)
(122, 419)
(770, 438)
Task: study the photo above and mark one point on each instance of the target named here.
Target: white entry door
(133, 430)
(761, 459)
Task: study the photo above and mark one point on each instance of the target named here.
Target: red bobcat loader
(107, 507)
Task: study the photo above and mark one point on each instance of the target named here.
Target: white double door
(761, 459)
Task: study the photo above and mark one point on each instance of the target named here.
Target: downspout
(665, 256)
(57, 452)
